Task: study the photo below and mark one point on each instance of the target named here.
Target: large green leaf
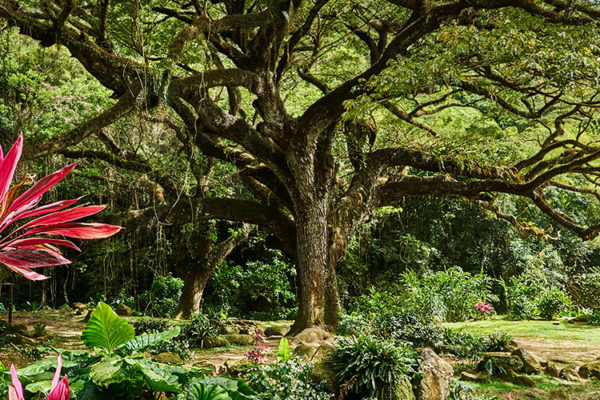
(158, 378)
(237, 389)
(109, 371)
(146, 340)
(106, 330)
(200, 391)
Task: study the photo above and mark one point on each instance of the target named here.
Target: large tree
(329, 109)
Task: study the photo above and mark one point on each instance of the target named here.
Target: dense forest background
(43, 91)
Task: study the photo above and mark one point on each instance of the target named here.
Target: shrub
(590, 290)
(464, 344)
(369, 366)
(162, 298)
(198, 328)
(177, 346)
(497, 341)
(409, 328)
(520, 297)
(353, 325)
(552, 302)
(286, 380)
(150, 325)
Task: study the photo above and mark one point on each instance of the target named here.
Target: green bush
(353, 325)
(520, 297)
(590, 290)
(464, 344)
(497, 341)
(409, 328)
(286, 380)
(163, 297)
(150, 325)
(552, 302)
(195, 330)
(369, 366)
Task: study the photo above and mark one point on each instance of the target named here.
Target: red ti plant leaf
(21, 252)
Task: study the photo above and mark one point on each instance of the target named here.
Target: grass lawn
(533, 329)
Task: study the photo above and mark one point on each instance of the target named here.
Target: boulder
(168, 358)
(304, 350)
(570, 373)
(479, 378)
(531, 364)
(402, 390)
(312, 336)
(578, 319)
(80, 308)
(502, 360)
(323, 374)
(437, 375)
(277, 330)
(518, 379)
(552, 370)
(236, 367)
(214, 341)
(590, 370)
(208, 367)
(323, 350)
(123, 310)
(238, 339)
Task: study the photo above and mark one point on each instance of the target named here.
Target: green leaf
(158, 379)
(283, 351)
(200, 391)
(106, 330)
(146, 340)
(109, 371)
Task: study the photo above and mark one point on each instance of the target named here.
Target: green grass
(533, 329)
(234, 348)
(543, 386)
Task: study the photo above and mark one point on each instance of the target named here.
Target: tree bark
(312, 266)
(193, 289)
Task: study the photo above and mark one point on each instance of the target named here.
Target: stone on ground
(168, 358)
(552, 370)
(277, 330)
(502, 360)
(214, 341)
(312, 336)
(304, 350)
(437, 375)
(123, 310)
(402, 390)
(479, 378)
(238, 339)
(518, 379)
(531, 364)
(570, 373)
(590, 370)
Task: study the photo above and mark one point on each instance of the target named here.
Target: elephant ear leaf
(200, 391)
(106, 330)
(146, 340)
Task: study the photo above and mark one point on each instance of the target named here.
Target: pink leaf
(8, 166)
(31, 258)
(16, 383)
(27, 273)
(33, 195)
(78, 230)
(57, 206)
(67, 215)
(35, 242)
(57, 373)
(60, 391)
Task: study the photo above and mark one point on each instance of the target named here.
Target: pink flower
(58, 391)
(484, 308)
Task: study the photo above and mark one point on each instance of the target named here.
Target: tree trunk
(311, 266)
(193, 289)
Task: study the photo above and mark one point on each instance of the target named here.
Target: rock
(215, 341)
(207, 367)
(226, 329)
(502, 360)
(123, 310)
(323, 374)
(277, 330)
(512, 346)
(402, 390)
(323, 350)
(521, 380)
(236, 367)
(238, 339)
(552, 370)
(80, 308)
(578, 319)
(168, 358)
(479, 378)
(312, 336)
(590, 370)
(570, 373)
(304, 350)
(531, 364)
(437, 374)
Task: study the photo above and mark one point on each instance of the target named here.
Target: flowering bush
(258, 354)
(58, 391)
(485, 309)
(24, 248)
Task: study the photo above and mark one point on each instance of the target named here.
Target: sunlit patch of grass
(538, 329)
(543, 386)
